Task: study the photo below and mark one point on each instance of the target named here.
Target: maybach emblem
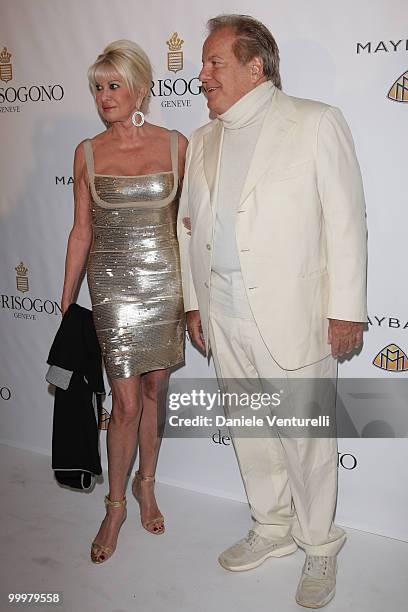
(399, 90)
(392, 359)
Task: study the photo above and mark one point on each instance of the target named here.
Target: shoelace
(317, 565)
(252, 537)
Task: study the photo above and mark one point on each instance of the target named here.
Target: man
(274, 275)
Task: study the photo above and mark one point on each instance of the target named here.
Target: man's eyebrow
(211, 57)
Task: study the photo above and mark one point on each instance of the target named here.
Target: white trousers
(291, 483)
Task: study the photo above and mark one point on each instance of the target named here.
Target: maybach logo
(392, 359)
(399, 90)
(386, 321)
(175, 61)
(6, 69)
(22, 278)
(382, 46)
(64, 180)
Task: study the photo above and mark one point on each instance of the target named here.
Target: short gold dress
(134, 269)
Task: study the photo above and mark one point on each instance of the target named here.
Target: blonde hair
(129, 61)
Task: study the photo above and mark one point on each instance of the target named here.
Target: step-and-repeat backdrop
(353, 55)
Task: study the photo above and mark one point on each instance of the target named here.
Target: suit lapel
(275, 129)
(212, 142)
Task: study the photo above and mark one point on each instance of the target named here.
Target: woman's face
(114, 100)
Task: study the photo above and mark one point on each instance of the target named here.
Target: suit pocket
(289, 172)
(314, 274)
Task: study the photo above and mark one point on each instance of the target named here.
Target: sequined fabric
(134, 273)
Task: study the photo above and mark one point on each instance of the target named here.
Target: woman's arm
(182, 147)
(80, 237)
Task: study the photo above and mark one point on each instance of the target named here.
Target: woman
(126, 186)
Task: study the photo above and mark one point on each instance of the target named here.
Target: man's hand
(187, 224)
(195, 330)
(344, 336)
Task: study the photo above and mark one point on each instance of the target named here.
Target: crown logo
(175, 61)
(22, 278)
(6, 70)
(21, 269)
(392, 359)
(174, 43)
(399, 90)
(5, 56)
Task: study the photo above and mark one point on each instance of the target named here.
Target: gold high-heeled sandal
(99, 552)
(155, 525)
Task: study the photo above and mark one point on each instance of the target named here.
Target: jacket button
(206, 285)
(208, 245)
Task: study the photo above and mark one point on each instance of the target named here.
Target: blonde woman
(127, 182)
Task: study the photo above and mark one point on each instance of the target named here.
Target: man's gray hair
(253, 40)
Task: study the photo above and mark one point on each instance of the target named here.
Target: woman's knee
(125, 411)
(154, 384)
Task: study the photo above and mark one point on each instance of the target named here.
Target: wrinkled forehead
(219, 43)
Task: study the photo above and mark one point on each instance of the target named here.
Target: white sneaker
(317, 585)
(253, 550)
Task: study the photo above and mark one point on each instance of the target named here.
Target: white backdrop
(348, 54)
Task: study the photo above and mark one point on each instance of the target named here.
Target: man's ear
(256, 69)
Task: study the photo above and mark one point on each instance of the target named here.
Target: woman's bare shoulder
(80, 158)
(100, 139)
(95, 141)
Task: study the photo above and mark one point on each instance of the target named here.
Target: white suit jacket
(300, 227)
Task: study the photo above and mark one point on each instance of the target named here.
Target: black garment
(75, 439)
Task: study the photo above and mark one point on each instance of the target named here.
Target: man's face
(225, 80)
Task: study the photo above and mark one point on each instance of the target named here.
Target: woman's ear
(140, 96)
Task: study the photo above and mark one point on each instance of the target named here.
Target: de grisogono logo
(13, 96)
(176, 92)
(6, 69)
(391, 359)
(347, 461)
(399, 89)
(27, 307)
(175, 57)
(22, 277)
(5, 393)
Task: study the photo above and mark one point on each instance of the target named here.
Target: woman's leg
(154, 386)
(121, 442)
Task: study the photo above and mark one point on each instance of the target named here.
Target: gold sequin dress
(134, 269)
